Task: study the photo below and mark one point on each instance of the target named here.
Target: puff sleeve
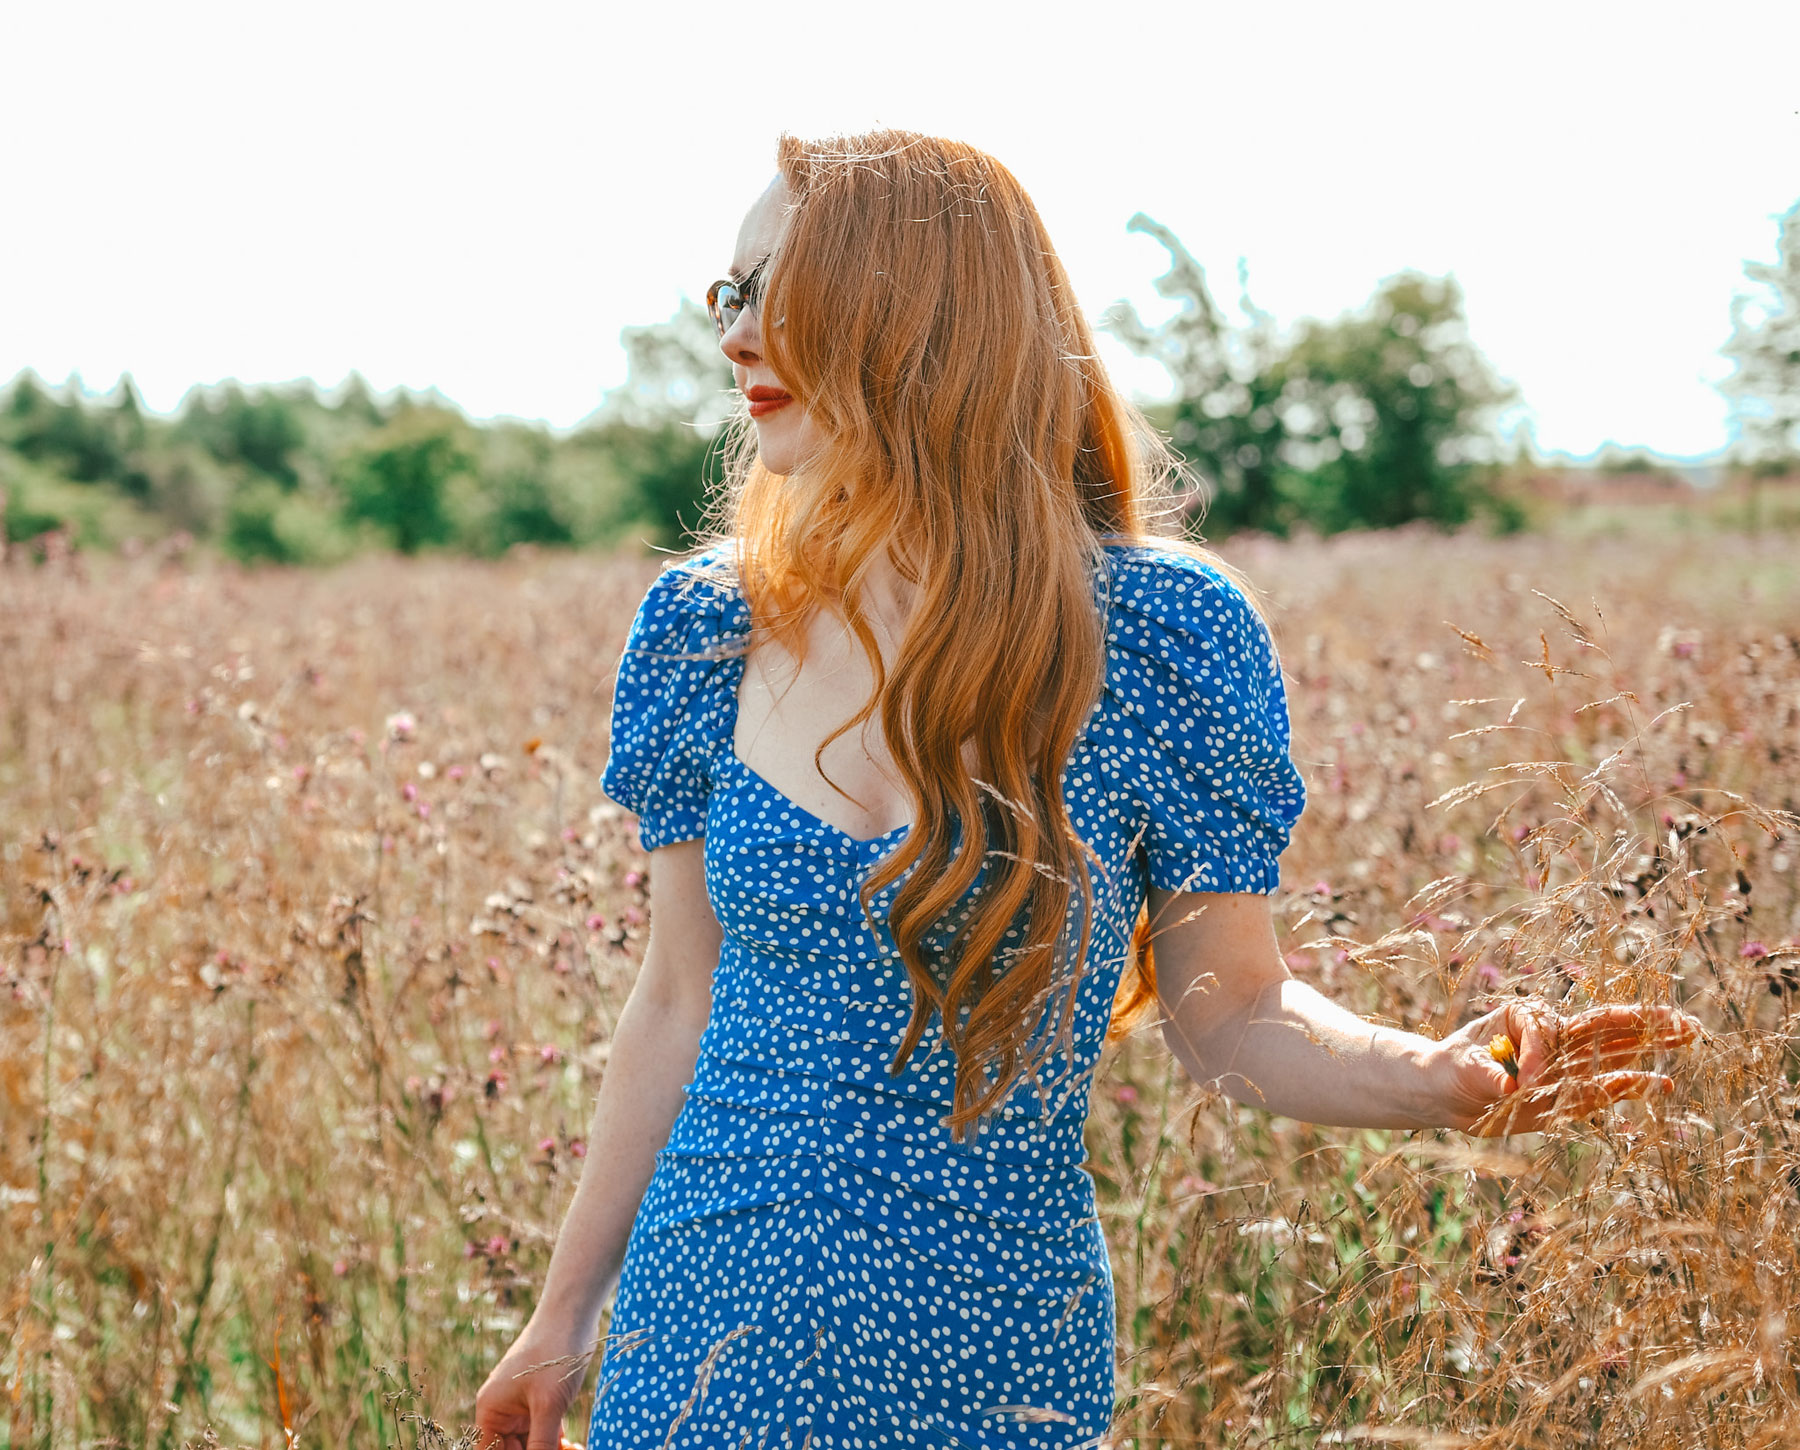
(1193, 669)
(667, 706)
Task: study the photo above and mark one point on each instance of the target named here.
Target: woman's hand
(1568, 1067)
(522, 1404)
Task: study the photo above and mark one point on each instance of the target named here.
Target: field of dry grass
(314, 925)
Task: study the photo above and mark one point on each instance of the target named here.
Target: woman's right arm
(651, 1061)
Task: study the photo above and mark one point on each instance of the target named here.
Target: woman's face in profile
(785, 432)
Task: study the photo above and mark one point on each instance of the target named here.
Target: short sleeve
(667, 706)
(1192, 666)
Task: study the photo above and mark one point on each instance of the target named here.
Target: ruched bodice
(817, 1261)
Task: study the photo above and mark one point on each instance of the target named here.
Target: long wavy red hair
(915, 306)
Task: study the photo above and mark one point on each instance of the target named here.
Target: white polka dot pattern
(817, 1262)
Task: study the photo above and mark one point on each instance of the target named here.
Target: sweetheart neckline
(793, 805)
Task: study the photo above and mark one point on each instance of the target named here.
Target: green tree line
(1382, 416)
(293, 474)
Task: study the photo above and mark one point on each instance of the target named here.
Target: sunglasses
(726, 300)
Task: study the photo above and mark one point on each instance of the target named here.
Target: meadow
(314, 925)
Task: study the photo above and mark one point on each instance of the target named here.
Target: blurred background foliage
(1380, 417)
(1385, 416)
(298, 475)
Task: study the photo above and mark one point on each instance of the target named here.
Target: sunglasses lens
(724, 302)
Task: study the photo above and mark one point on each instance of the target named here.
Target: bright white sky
(478, 198)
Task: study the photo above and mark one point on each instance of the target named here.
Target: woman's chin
(784, 440)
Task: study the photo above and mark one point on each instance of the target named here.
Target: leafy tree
(665, 471)
(1228, 380)
(674, 372)
(1390, 411)
(253, 529)
(267, 523)
(260, 430)
(518, 501)
(661, 428)
(83, 444)
(1765, 344)
(399, 480)
(21, 516)
(1375, 419)
(190, 490)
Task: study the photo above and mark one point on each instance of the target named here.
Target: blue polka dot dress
(816, 1262)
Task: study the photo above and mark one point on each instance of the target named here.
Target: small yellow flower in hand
(1506, 1055)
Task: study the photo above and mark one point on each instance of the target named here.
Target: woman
(912, 749)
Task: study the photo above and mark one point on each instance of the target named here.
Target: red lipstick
(764, 401)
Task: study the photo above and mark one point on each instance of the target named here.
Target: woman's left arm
(1240, 1023)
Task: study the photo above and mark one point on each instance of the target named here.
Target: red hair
(915, 306)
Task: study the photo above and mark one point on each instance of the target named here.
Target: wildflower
(634, 878)
(595, 922)
(401, 725)
(1753, 951)
(578, 1147)
(1505, 1054)
(547, 1146)
(1127, 1095)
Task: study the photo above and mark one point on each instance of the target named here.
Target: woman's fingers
(1530, 1109)
(1601, 1039)
(1571, 1067)
(1625, 1028)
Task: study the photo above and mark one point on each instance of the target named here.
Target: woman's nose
(742, 342)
